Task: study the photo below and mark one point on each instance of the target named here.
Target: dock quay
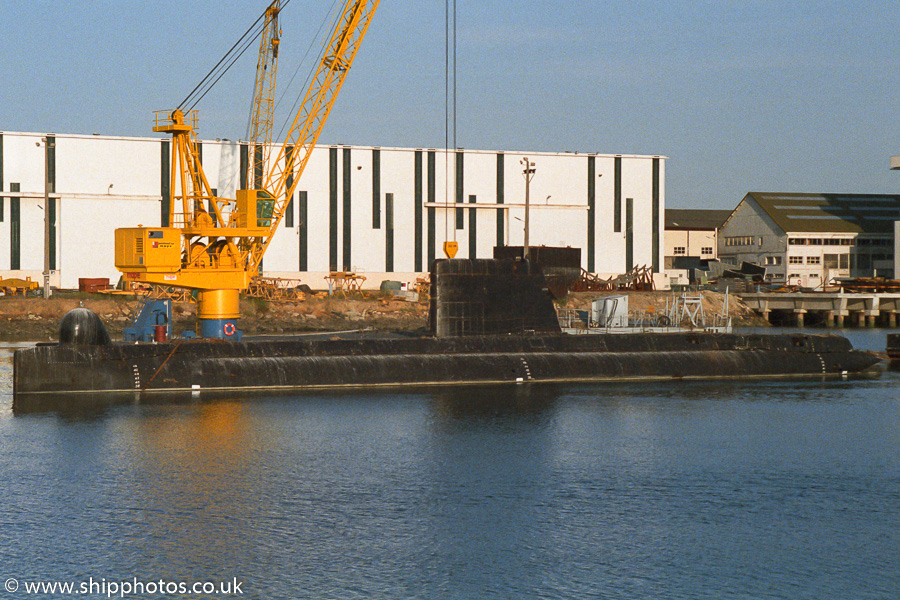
(834, 309)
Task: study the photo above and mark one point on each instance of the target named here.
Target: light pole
(528, 172)
(47, 146)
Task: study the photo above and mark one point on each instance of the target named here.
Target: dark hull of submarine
(491, 321)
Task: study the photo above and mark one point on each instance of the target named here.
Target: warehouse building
(811, 239)
(691, 242)
(381, 212)
(692, 234)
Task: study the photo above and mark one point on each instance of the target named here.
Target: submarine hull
(298, 364)
(491, 321)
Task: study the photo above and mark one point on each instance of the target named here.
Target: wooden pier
(837, 309)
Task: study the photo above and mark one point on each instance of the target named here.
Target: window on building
(289, 213)
(831, 261)
(680, 251)
(843, 261)
(795, 260)
(819, 242)
(773, 260)
(863, 261)
(706, 250)
(871, 242)
(813, 260)
(741, 240)
(813, 275)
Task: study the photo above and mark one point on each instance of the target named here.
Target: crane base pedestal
(218, 311)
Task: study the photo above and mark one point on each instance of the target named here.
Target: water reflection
(189, 479)
(91, 405)
(449, 401)
(490, 402)
(464, 402)
(490, 468)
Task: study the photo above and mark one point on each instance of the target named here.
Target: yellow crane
(215, 245)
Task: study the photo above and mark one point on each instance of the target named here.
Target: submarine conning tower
(481, 296)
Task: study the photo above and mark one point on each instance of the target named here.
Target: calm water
(685, 490)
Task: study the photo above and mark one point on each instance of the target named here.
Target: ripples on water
(682, 490)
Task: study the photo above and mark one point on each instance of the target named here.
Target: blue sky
(759, 95)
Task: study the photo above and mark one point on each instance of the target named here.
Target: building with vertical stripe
(381, 212)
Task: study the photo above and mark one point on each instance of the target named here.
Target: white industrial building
(381, 212)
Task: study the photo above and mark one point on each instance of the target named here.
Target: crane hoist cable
(449, 70)
(194, 103)
(312, 42)
(214, 75)
(247, 40)
(446, 122)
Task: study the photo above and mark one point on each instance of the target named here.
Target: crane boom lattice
(297, 148)
(262, 114)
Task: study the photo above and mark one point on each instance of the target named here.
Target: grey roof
(695, 219)
(823, 213)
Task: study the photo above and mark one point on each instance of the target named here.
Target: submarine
(490, 321)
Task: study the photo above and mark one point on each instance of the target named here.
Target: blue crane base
(223, 329)
(153, 314)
